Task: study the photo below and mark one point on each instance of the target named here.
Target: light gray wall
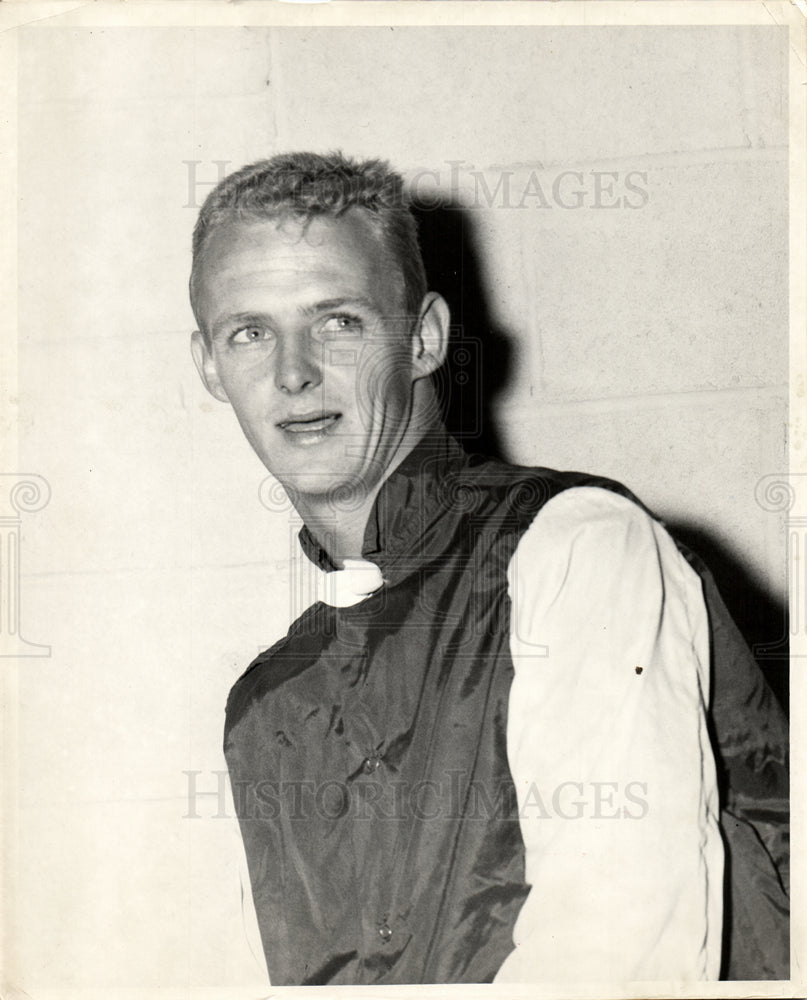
(648, 343)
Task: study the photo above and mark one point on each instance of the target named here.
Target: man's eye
(249, 335)
(341, 325)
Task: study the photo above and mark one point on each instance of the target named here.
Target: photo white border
(207, 13)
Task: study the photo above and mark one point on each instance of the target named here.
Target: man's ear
(430, 340)
(206, 366)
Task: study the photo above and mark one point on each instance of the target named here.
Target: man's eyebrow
(341, 302)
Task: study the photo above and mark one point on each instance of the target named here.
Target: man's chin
(341, 490)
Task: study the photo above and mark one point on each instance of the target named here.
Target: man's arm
(609, 750)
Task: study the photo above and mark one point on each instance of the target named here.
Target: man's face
(307, 339)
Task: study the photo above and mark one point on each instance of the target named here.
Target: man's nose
(297, 368)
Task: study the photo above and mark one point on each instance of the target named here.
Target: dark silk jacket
(367, 751)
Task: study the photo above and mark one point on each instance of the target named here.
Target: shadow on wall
(468, 385)
(479, 354)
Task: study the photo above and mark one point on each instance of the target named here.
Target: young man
(496, 749)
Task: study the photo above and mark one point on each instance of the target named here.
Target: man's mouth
(309, 423)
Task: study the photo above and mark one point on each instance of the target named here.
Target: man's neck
(341, 532)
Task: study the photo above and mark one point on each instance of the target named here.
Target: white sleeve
(248, 959)
(252, 934)
(608, 749)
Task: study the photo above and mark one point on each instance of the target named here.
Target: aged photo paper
(611, 199)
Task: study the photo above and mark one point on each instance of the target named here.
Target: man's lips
(302, 423)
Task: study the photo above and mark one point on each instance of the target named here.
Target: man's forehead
(350, 232)
(346, 250)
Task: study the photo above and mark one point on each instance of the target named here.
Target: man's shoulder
(280, 663)
(529, 488)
